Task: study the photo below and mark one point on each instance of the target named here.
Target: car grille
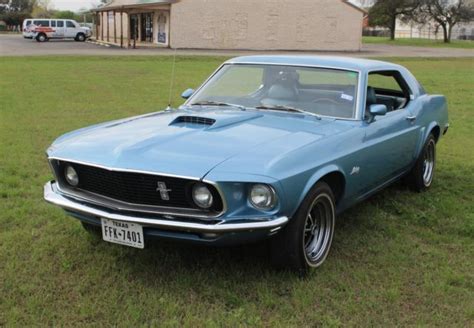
(137, 188)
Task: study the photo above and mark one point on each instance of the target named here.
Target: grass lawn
(399, 259)
(419, 42)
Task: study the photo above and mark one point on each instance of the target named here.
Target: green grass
(398, 259)
(414, 42)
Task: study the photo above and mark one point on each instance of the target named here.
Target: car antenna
(172, 79)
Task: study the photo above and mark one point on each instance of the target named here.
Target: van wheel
(80, 37)
(306, 240)
(41, 37)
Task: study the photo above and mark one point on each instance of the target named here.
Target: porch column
(102, 25)
(115, 27)
(121, 29)
(108, 26)
(97, 22)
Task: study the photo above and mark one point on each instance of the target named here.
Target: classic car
(269, 147)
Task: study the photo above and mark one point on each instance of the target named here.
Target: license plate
(123, 233)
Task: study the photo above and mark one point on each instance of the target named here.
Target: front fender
(309, 181)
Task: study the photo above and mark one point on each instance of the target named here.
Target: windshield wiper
(217, 103)
(287, 109)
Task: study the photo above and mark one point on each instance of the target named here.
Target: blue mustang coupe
(268, 147)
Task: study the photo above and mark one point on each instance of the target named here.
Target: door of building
(147, 27)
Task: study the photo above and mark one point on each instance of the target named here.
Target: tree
(13, 12)
(448, 13)
(386, 12)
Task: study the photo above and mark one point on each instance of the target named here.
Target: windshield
(320, 91)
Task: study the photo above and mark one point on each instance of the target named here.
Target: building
(432, 30)
(232, 24)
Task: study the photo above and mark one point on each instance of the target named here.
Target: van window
(43, 23)
(70, 24)
(60, 23)
(28, 22)
(53, 23)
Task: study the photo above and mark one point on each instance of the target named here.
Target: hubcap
(429, 163)
(318, 228)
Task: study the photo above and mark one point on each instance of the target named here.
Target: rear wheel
(305, 242)
(41, 37)
(421, 176)
(80, 37)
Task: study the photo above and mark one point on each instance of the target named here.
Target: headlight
(71, 176)
(202, 196)
(262, 197)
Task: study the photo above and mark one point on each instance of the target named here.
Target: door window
(390, 89)
(70, 24)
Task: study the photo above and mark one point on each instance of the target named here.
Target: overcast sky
(75, 5)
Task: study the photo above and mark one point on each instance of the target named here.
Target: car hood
(191, 143)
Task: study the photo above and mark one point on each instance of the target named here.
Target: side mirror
(377, 110)
(188, 93)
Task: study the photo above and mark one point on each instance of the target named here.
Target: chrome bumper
(51, 196)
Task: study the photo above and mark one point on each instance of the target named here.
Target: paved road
(15, 45)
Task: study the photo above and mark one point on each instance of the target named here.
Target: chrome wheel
(429, 163)
(318, 229)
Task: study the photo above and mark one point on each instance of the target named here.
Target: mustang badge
(164, 191)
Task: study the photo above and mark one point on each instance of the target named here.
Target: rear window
(43, 23)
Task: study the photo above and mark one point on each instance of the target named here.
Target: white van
(43, 29)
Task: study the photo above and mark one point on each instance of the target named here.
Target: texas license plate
(123, 233)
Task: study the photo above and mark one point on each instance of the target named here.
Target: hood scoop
(195, 120)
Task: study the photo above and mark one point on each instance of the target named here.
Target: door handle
(411, 118)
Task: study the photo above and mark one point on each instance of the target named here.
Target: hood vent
(194, 120)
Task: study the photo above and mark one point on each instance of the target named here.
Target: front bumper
(213, 231)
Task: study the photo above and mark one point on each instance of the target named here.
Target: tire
(421, 176)
(41, 37)
(80, 37)
(92, 229)
(306, 240)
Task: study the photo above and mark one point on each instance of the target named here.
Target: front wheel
(41, 37)
(80, 37)
(421, 176)
(305, 242)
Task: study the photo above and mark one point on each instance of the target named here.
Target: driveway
(16, 45)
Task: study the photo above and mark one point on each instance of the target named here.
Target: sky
(75, 5)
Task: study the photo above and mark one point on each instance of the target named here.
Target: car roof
(346, 63)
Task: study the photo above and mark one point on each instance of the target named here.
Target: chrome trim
(54, 198)
(159, 210)
(114, 169)
(114, 204)
(358, 113)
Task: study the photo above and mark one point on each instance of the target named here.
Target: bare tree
(386, 12)
(448, 13)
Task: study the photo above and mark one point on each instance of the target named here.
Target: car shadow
(176, 259)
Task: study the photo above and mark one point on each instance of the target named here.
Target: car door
(71, 30)
(390, 141)
(59, 30)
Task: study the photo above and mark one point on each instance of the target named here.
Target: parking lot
(16, 45)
